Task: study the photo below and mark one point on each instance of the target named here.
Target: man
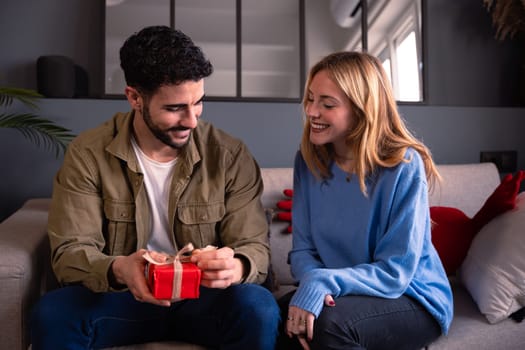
(156, 179)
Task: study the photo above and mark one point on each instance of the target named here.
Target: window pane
(121, 21)
(384, 57)
(408, 69)
(270, 49)
(212, 26)
(389, 25)
(386, 66)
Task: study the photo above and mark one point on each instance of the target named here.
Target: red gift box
(174, 281)
(174, 277)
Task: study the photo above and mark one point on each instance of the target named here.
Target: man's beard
(163, 135)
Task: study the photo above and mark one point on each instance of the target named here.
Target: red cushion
(453, 231)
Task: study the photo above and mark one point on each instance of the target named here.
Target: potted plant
(40, 131)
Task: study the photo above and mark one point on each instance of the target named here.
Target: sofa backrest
(463, 186)
(275, 181)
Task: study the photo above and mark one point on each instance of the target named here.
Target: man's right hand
(129, 270)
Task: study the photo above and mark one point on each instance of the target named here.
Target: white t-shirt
(157, 180)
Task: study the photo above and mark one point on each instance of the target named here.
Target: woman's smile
(318, 127)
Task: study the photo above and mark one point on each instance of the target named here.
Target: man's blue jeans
(244, 316)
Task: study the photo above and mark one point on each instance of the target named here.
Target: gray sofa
(25, 273)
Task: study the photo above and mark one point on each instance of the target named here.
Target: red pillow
(286, 206)
(453, 231)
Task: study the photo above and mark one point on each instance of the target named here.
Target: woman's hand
(300, 323)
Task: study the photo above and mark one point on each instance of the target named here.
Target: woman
(369, 277)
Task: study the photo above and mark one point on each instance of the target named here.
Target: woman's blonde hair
(379, 137)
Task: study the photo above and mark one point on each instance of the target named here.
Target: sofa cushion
(275, 179)
(494, 269)
(453, 231)
(470, 329)
(271, 282)
(452, 234)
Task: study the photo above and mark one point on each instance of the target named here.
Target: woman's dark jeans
(244, 316)
(364, 322)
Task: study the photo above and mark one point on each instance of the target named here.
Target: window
(256, 47)
(399, 53)
(407, 69)
(394, 36)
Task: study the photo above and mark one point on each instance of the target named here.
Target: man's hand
(129, 270)
(219, 267)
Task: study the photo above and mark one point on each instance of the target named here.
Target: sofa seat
(470, 329)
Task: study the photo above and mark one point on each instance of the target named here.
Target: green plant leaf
(26, 96)
(40, 131)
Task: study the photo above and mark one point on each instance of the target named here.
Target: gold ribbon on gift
(155, 257)
(181, 256)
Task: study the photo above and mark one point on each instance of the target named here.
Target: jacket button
(123, 215)
(204, 217)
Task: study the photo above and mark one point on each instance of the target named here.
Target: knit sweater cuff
(309, 298)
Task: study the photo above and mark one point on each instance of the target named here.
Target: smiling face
(174, 111)
(329, 113)
(168, 117)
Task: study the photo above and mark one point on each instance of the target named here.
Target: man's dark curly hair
(160, 55)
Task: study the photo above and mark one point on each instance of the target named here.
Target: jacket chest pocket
(121, 234)
(197, 223)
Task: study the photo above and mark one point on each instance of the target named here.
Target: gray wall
(33, 28)
(466, 65)
(271, 130)
(455, 132)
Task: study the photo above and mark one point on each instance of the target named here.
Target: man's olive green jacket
(100, 209)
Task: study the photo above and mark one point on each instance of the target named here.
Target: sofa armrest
(24, 269)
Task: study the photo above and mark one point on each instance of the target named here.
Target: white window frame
(410, 22)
